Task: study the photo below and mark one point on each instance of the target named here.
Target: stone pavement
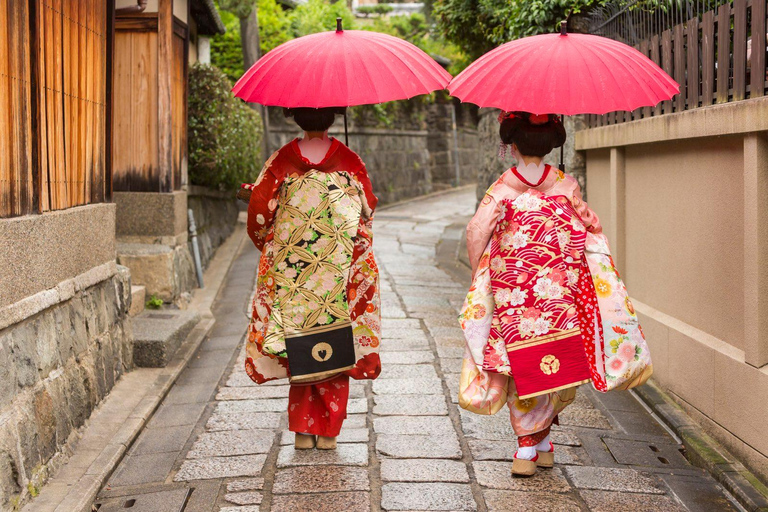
(219, 443)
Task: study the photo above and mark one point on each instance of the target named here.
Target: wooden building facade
(150, 76)
(54, 104)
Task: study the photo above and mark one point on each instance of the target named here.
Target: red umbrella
(341, 69)
(564, 74)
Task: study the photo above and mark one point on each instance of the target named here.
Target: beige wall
(40, 251)
(682, 201)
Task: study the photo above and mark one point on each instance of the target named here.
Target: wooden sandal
(523, 467)
(326, 443)
(304, 441)
(546, 459)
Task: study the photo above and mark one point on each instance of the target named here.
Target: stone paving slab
(220, 467)
(249, 406)
(427, 405)
(418, 386)
(421, 470)
(414, 425)
(236, 421)
(244, 498)
(506, 501)
(306, 479)
(445, 446)
(325, 502)
(497, 475)
(410, 357)
(232, 442)
(252, 393)
(408, 371)
(431, 496)
(601, 501)
(613, 479)
(343, 455)
(246, 484)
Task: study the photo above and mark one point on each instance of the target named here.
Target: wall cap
(65, 290)
(734, 118)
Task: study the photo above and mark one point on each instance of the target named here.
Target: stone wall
(491, 166)
(55, 367)
(215, 217)
(402, 163)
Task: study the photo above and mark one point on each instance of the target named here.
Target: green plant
(226, 51)
(480, 25)
(154, 302)
(224, 133)
(374, 9)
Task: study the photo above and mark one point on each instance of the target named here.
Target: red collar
(327, 163)
(541, 180)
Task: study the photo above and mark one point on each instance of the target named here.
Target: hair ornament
(502, 151)
(539, 119)
(506, 115)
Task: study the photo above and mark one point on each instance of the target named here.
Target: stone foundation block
(158, 334)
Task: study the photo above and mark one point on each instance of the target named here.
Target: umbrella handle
(346, 132)
(562, 165)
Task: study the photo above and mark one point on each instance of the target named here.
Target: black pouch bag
(320, 355)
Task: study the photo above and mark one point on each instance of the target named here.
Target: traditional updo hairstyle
(312, 119)
(534, 135)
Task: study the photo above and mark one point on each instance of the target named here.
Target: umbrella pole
(562, 165)
(346, 132)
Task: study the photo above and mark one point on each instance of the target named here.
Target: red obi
(535, 261)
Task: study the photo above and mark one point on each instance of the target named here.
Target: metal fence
(706, 46)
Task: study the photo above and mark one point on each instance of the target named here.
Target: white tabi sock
(525, 452)
(543, 445)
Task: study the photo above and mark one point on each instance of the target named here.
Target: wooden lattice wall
(53, 104)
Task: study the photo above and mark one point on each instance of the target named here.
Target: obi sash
(314, 240)
(535, 260)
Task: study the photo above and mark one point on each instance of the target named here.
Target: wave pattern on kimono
(535, 260)
(317, 274)
(486, 392)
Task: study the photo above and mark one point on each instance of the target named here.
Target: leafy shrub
(154, 302)
(224, 133)
(374, 9)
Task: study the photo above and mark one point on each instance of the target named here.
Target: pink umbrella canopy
(564, 74)
(341, 69)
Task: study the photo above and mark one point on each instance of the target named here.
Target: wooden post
(757, 59)
(755, 249)
(617, 215)
(164, 94)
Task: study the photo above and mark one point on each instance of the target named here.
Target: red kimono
(317, 274)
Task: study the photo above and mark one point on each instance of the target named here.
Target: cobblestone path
(406, 445)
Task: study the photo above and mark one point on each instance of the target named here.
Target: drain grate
(641, 453)
(173, 500)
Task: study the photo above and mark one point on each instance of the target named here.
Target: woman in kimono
(519, 318)
(316, 317)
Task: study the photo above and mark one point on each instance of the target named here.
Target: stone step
(157, 335)
(138, 298)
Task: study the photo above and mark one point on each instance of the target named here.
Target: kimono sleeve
(480, 229)
(361, 175)
(263, 204)
(591, 221)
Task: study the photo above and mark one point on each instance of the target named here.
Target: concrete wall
(64, 336)
(40, 251)
(682, 199)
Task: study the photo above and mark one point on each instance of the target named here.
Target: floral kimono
(532, 318)
(317, 285)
